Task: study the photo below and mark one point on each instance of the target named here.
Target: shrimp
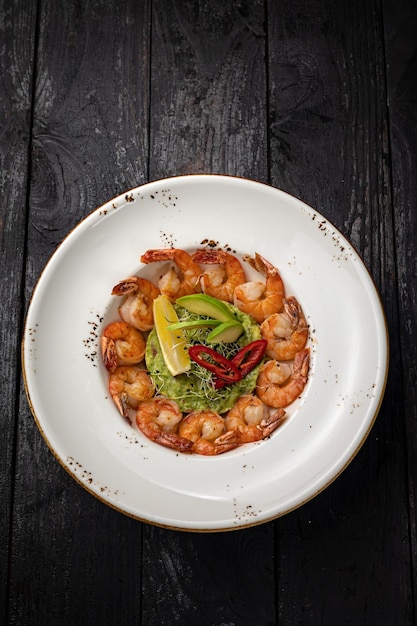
(181, 280)
(137, 309)
(271, 387)
(207, 433)
(258, 299)
(158, 419)
(128, 386)
(286, 332)
(121, 344)
(251, 419)
(220, 282)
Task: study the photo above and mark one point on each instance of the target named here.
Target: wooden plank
(17, 34)
(329, 147)
(400, 22)
(208, 115)
(208, 89)
(221, 578)
(74, 558)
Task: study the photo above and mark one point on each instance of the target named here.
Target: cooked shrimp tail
(182, 279)
(221, 281)
(228, 441)
(137, 308)
(258, 299)
(207, 433)
(272, 422)
(273, 390)
(174, 441)
(286, 332)
(251, 420)
(158, 419)
(122, 344)
(128, 386)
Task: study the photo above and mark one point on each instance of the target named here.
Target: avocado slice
(226, 332)
(194, 324)
(202, 304)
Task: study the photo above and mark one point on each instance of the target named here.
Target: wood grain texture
(401, 54)
(90, 142)
(329, 146)
(208, 89)
(17, 33)
(91, 107)
(209, 579)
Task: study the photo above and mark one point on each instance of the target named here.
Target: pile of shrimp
(282, 375)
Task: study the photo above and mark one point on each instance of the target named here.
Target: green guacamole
(194, 390)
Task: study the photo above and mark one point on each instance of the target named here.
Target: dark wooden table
(316, 98)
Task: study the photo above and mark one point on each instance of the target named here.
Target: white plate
(66, 383)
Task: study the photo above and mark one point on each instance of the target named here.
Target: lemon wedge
(172, 342)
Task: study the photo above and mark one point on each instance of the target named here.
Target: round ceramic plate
(256, 482)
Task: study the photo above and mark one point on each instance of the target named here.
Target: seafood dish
(207, 357)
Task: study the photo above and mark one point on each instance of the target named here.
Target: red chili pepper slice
(247, 358)
(223, 368)
(250, 355)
